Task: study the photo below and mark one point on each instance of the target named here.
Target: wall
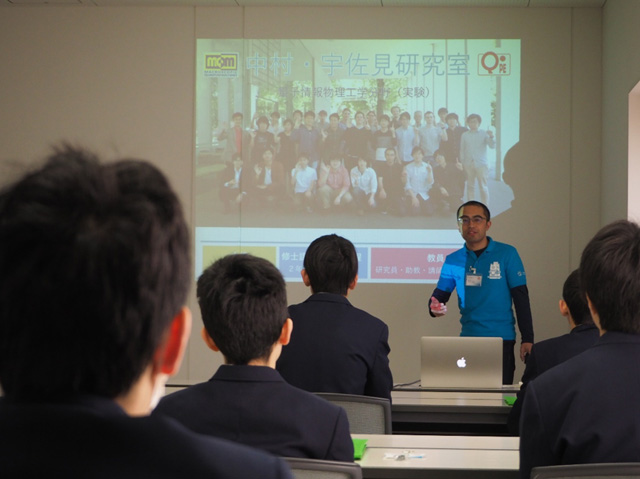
(118, 80)
(121, 81)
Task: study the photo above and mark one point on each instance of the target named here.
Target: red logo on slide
(494, 64)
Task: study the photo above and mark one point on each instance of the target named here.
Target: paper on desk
(403, 456)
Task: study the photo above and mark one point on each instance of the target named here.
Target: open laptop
(461, 362)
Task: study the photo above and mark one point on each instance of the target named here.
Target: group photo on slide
(359, 166)
(374, 138)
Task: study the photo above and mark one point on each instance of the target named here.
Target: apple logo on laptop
(462, 362)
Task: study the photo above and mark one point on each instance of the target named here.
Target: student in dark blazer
(94, 275)
(584, 410)
(551, 352)
(335, 347)
(244, 309)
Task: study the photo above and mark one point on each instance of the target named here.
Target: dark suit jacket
(277, 177)
(253, 405)
(336, 348)
(91, 437)
(451, 147)
(585, 409)
(333, 145)
(547, 354)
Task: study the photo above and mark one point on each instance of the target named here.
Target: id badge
(473, 280)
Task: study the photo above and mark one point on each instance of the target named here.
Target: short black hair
(334, 115)
(416, 149)
(331, 263)
(263, 119)
(94, 266)
(243, 300)
(236, 115)
(442, 110)
(573, 295)
(609, 276)
(452, 116)
(474, 203)
(405, 115)
(310, 113)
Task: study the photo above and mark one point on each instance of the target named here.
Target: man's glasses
(466, 221)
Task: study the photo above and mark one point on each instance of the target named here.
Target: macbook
(461, 362)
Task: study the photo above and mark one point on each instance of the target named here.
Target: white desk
(436, 457)
(450, 411)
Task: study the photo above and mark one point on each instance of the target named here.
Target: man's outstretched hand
(438, 308)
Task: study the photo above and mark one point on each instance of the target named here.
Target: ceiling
(324, 3)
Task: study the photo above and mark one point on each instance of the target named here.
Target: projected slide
(378, 141)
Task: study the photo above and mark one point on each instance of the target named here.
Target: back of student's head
(573, 295)
(243, 300)
(609, 276)
(331, 264)
(94, 265)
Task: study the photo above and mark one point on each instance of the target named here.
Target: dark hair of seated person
(331, 263)
(94, 265)
(573, 295)
(243, 300)
(614, 253)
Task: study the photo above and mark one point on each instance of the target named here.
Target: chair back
(620, 470)
(303, 468)
(366, 414)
